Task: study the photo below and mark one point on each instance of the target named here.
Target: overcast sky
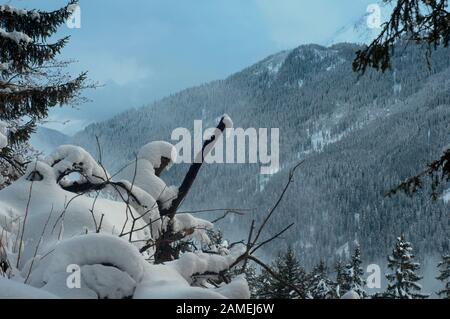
(143, 50)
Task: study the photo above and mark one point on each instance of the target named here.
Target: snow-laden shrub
(68, 217)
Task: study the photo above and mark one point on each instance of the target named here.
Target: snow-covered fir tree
(353, 275)
(340, 283)
(31, 79)
(11, 168)
(444, 276)
(287, 268)
(403, 279)
(319, 285)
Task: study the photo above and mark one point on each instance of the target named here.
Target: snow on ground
(66, 214)
(10, 289)
(154, 151)
(60, 244)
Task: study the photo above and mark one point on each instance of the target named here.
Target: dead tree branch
(193, 172)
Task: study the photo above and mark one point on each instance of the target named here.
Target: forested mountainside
(360, 136)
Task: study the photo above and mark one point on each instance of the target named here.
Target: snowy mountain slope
(360, 137)
(357, 32)
(363, 30)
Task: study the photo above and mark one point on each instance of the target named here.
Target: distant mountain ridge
(365, 29)
(359, 136)
(45, 140)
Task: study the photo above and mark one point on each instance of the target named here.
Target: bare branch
(38, 244)
(269, 215)
(226, 214)
(271, 238)
(27, 208)
(192, 174)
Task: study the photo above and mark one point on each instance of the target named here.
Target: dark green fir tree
(403, 279)
(31, 79)
(353, 275)
(341, 280)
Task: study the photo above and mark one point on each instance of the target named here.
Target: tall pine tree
(403, 280)
(444, 276)
(31, 79)
(354, 275)
(341, 280)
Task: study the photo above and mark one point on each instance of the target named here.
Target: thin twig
(226, 214)
(269, 215)
(25, 219)
(38, 244)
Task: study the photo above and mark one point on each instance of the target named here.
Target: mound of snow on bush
(60, 243)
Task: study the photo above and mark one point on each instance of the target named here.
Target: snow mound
(351, 295)
(90, 249)
(154, 151)
(237, 289)
(177, 279)
(198, 226)
(109, 266)
(68, 158)
(112, 268)
(190, 264)
(10, 289)
(66, 214)
(141, 172)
